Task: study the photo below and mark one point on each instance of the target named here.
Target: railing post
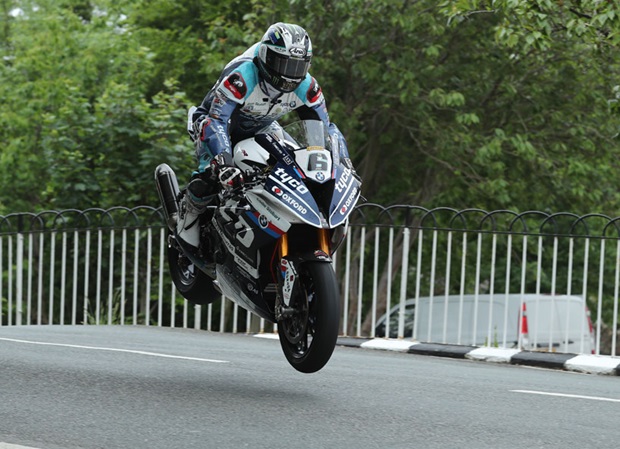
(403, 283)
(360, 285)
(19, 280)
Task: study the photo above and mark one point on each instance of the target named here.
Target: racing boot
(192, 205)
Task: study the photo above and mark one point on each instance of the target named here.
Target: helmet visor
(287, 67)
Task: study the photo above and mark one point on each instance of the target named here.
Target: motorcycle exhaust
(168, 190)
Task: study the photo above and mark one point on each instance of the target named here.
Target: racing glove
(229, 176)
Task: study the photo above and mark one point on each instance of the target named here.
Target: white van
(548, 323)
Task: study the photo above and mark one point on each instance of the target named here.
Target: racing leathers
(240, 104)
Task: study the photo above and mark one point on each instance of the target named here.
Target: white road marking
(574, 396)
(99, 348)
(14, 446)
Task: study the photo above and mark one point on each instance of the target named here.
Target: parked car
(539, 321)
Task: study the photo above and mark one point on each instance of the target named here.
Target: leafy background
(502, 104)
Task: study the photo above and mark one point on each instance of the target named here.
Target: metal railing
(109, 267)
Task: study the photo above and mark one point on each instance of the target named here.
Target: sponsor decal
(343, 181)
(287, 179)
(249, 269)
(274, 37)
(269, 209)
(348, 202)
(236, 85)
(221, 134)
(277, 148)
(289, 200)
(314, 92)
(252, 288)
(298, 52)
(294, 204)
(229, 246)
(268, 227)
(256, 108)
(263, 221)
(290, 274)
(216, 105)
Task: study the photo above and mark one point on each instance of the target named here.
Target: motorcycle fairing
(230, 283)
(346, 193)
(274, 148)
(238, 236)
(315, 164)
(263, 204)
(238, 275)
(284, 185)
(263, 222)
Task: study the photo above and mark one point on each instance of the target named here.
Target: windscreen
(308, 133)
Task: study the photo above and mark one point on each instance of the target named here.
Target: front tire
(308, 338)
(192, 283)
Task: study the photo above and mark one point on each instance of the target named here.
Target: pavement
(591, 364)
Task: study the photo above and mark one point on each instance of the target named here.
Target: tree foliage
(467, 103)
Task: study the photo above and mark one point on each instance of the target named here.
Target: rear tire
(191, 282)
(309, 337)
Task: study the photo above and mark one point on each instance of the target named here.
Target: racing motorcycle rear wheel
(308, 337)
(193, 284)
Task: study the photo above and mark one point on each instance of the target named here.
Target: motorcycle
(268, 245)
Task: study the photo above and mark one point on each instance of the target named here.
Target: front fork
(288, 271)
(323, 240)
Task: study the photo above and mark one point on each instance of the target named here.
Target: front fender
(318, 255)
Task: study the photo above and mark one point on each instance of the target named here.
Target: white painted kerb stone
(388, 345)
(497, 355)
(596, 364)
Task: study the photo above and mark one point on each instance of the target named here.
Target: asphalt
(590, 364)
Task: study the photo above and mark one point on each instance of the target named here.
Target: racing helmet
(284, 55)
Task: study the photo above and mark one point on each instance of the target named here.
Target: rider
(254, 90)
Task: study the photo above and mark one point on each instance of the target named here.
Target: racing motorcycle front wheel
(308, 337)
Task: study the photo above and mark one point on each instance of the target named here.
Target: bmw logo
(320, 176)
(263, 221)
